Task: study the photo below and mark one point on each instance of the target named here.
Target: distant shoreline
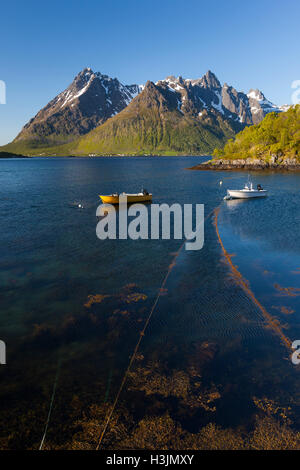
(97, 156)
(246, 165)
(12, 155)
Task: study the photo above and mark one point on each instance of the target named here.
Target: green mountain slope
(276, 137)
(153, 123)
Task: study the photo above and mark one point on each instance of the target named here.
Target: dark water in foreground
(204, 326)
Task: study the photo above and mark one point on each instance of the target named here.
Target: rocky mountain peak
(149, 85)
(209, 80)
(207, 95)
(260, 106)
(86, 72)
(256, 95)
(88, 101)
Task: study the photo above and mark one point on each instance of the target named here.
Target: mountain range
(99, 115)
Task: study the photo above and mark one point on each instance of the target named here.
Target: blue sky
(45, 44)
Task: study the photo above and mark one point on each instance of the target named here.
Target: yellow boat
(139, 197)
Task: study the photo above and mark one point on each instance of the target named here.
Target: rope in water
(108, 386)
(51, 405)
(161, 290)
(244, 284)
(238, 277)
(142, 333)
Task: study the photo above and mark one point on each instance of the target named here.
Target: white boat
(246, 193)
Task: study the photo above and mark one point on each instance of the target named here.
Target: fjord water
(51, 261)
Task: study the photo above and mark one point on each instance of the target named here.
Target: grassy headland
(274, 143)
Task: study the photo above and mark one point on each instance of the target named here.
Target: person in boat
(145, 192)
(259, 187)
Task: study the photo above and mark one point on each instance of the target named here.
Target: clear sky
(45, 44)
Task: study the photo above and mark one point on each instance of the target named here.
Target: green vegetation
(278, 135)
(150, 133)
(151, 124)
(27, 148)
(139, 133)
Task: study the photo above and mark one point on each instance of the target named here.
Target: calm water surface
(51, 261)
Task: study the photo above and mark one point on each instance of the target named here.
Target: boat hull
(131, 198)
(246, 194)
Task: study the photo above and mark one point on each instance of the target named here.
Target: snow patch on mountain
(218, 106)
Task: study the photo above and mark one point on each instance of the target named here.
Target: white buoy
(80, 206)
(221, 182)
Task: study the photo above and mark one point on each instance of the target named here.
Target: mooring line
(108, 386)
(142, 333)
(244, 284)
(51, 405)
(241, 281)
(161, 291)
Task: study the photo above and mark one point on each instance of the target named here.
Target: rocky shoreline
(274, 163)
